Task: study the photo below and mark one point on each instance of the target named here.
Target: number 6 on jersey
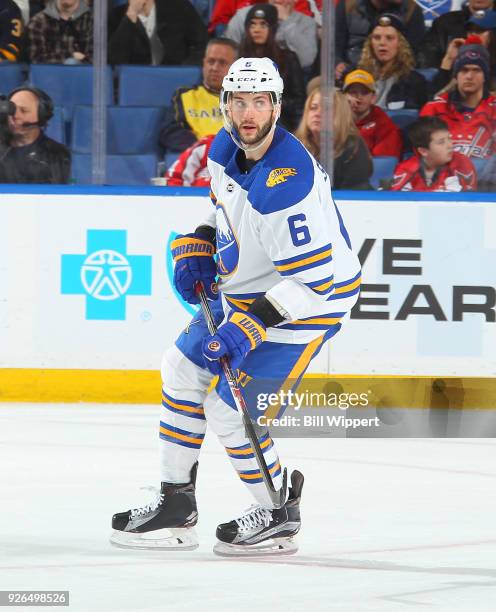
(300, 234)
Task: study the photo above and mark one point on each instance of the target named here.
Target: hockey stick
(277, 497)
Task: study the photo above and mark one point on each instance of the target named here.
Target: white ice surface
(388, 525)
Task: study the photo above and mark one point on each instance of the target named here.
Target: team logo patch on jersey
(280, 175)
(227, 244)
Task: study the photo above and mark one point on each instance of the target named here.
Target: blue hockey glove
(194, 258)
(242, 333)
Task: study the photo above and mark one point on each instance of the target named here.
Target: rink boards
(87, 305)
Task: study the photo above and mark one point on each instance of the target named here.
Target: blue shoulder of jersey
(222, 148)
(286, 176)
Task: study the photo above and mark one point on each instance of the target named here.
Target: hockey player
(287, 277)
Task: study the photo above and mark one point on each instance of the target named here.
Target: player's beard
(258, 137)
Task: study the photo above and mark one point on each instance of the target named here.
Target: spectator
(468, 109)
(61, 34)
(224, 11)
(259, 41)
(28, 155)
(389, 58)
(355, 18)
(483, 27)
(296, 32)
(352, 161)
(146, 32)
(10, 31)
(381, 135)
(190, 169)
(195, 110)
(435, 166)
(444, 29)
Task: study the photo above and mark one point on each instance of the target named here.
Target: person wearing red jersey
(469, 109)
(190, 168)
(382, 136)
(435, 166)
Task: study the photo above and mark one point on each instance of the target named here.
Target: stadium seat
(56, 126)
(120, 169)
(130, 130)
(479, 164)
(403, 117)
(170, 158)
(153, 85)
(68, 85)
(427, 73)
(11, 76)
(383, 169)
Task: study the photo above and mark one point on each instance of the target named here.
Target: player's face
(314, 115)
(216, 63)
(26, 112)
(385, 43)
(258, 31)
(470, 79)
(251, 115)
(360, 99)
(440, 150)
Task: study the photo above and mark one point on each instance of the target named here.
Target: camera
(7, 108)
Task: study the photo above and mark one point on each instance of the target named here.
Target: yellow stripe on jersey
(317, 321)
(349, 287)
(305, 261)
(243, 304)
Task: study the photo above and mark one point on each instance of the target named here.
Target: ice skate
(167, 523)
(260, 531)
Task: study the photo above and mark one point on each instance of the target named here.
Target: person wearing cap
(468, 108)
(482, 25)
(296, 31)
(356, 18)
(389, 58)
(259, 41)
(448, 27)
(381, 135)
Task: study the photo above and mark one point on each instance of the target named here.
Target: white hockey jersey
(280, 233)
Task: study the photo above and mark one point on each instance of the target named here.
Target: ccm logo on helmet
(248, 79)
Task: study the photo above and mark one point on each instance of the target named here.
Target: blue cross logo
(106, 274)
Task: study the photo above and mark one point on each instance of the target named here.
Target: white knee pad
(224, 421)
(182, 378)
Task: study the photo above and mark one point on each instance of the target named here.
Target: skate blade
(276, 546)
(180, 538)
